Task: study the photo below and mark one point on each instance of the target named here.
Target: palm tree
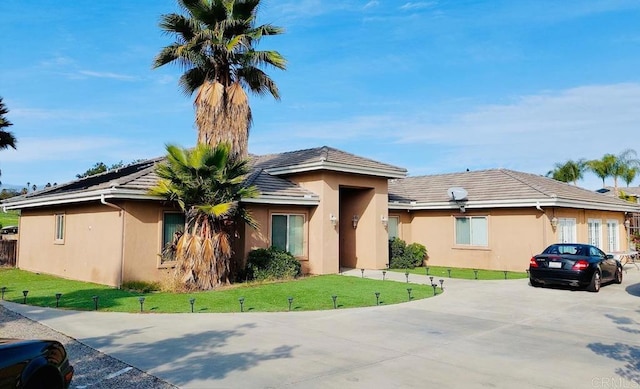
(208, 184)
(214, 43)
(570, 171)
(624, 161)
(629, 175)
(602, 168)
(6, 138)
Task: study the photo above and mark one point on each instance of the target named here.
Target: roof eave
(520, 203)
(339, 167)
(283, 200)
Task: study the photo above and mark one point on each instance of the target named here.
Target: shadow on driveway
(192, 357)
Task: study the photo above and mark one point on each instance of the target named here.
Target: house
(329, 208)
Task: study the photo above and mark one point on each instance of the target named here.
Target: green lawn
(310, 293)
(10, 218)
(463, 273)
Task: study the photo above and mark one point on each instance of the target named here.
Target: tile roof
(325, 158)
(497, 186)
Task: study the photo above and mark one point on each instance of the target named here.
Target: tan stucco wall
(91, 249)
(143, 241)
(514, 235)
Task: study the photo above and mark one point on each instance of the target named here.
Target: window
(172, 229)
(472, 231)
(594, 227)
(392, 227)
(612, 232)
(287, 233)
(59, 228)
(566, 230)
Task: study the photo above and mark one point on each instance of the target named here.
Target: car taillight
(533, 262)
(580, 265)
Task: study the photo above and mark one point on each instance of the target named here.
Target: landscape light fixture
(290, 301)
(384, 273)
(58, 295)
(241, 301)
(192, 301)
(3, 289)
(334, 297)
(409, 292)
(449, 271)
(377, 298)
(95, 302)
(431, 279)
(354, 221)
(505, 274)
(442, 284)
(25, 293)
(406, 274)
(434, 286)
(427, 269)
(475, 273)
(141, 300)
(362, 272)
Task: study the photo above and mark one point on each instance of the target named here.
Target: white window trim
(573, 232)
(399, 235)
(57, 239)
(470, 245)
(595, 222)
(304, 230)
(615, 240)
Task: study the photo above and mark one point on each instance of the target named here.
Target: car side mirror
(609, 256)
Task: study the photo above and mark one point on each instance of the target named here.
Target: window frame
(397, 223)
(613, 235)
(471, 243)
(59, 228)
(304, 243)
(594, 230)
(162, 261)
(569, 224)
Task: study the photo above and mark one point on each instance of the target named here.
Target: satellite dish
(457, 194)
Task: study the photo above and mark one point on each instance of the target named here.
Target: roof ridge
(537, 188)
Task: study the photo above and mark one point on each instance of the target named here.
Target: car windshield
(565, 249)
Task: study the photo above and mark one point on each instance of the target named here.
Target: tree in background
(98, 168)
(614, 166)
(602, 168)
(215, 43)
(208, 184)
(6, 138)
(570, 171)
(629, 175)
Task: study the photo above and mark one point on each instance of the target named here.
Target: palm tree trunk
(223, 115)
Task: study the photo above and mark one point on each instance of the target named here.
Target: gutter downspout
(122, 236)
(544, 225)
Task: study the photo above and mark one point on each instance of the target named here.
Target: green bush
(402, 256)
(141, 286)
(272, 264)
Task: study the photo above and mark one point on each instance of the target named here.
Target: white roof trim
(562, 203)
(283, 200)
(339, 167)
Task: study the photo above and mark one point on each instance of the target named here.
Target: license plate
(555, 265)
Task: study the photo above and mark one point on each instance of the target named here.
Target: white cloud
(115, 76)
(410, 6)
(372, 4)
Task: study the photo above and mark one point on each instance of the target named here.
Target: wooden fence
(8, 252)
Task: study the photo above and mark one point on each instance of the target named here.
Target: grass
(464, 273)
(309, 293)
(10, 218)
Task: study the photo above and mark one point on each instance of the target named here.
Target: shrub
(141, 286)
(272, 264)
(402, 256)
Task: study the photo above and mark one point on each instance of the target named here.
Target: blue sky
(432, 86)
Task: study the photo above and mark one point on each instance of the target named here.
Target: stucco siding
(91, 249)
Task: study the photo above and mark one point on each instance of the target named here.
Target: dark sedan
(574, 264)
(34, 364)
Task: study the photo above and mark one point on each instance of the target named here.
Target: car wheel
(594, 286)
(618, 279)
(535, 283)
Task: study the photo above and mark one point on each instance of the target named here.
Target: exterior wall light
(354, 221)
(333, 219)
(554, 222)
(627, 224)
(384, 220)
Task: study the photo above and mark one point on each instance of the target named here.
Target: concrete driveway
(478, 334)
